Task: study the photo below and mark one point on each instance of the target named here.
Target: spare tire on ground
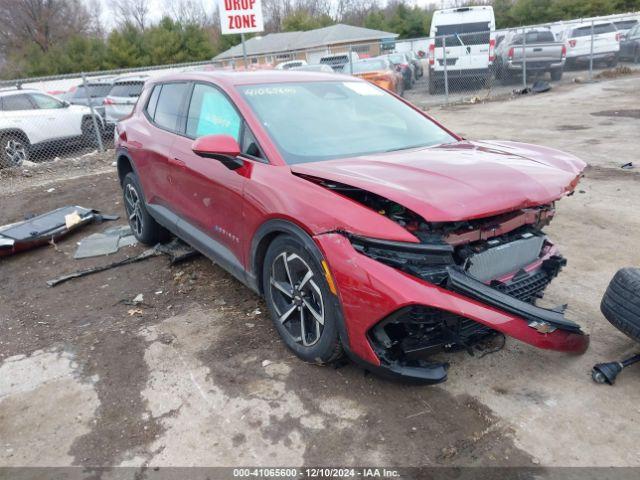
(621, 302)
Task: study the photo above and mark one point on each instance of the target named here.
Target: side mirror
(65, 104)
(223, 148)
(398, 68)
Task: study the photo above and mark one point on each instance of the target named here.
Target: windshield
(316, 121)
(369, 66)
(128, 89)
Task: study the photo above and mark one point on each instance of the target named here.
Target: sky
(158, 8)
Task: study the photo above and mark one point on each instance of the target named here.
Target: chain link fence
(73, 116)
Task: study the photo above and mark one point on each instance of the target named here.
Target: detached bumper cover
(462, 283)
(371, 291)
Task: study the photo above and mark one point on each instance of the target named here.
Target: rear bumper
(456, 73)
(534, 66)
(370, 292)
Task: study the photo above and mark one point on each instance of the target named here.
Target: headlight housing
(426, 261)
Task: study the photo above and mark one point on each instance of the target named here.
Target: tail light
(492, 46)
(510, 53)
(618, 37)
(108, 101)
(432, 54)
(572, 43)
(564, 51)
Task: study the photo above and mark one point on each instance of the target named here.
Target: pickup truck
(540, 53)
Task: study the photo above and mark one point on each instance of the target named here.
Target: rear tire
(144, 227)
(636, 55)
(556, 74)
(432, 86)
(14, 150)
(613, 62)
(506, 77)
(89, 137)
(621, 302)
(303, 309)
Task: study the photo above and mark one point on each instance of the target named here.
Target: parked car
(623, 26)
(418, 69)
(122, 97)
(290, 64)
(337, 61)
(630, 45)
(313, 68)
(540, 53)
(577, 39)
(469, 36)
(368, 227)
(31, 120)
(380, 72)
(96, 89)
(403, 65)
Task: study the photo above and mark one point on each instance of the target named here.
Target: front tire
(303, 309)
(14, 151)
(144, 227)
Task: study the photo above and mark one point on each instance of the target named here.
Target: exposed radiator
(506, 258)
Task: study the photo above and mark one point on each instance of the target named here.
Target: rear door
(467, 46)
(152, 140)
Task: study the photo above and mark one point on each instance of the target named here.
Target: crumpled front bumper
(370, 291)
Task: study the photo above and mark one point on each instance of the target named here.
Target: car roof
(233, 78)
(18, 91)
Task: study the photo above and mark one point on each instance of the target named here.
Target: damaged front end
(505, 262)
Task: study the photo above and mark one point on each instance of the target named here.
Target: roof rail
(18, 86)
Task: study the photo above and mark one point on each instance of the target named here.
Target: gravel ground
(195, 374)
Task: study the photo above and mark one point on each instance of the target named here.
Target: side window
(153, 101)
(46, 102)
(17, 102)
(211, 113)
(169, 105)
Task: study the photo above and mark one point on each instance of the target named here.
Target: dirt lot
(196, 375)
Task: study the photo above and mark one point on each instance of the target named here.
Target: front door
(210, 202)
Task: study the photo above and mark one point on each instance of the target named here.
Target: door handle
(177, 162)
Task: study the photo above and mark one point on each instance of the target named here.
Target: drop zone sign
(241, 16)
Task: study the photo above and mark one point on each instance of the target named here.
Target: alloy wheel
(15, 152)
(297, 298)
(133, 207)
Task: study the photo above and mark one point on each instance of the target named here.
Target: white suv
(577, 39)
(31, 120)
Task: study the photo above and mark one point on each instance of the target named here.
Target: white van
(577, 39)
(468, 33)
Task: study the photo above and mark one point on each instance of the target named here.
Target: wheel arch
(15, 131)
(124, 164)
(265, 234)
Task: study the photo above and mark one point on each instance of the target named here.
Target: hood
(459, 181)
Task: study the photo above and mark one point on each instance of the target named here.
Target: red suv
(368, 227)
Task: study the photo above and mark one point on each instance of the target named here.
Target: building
(274, 48)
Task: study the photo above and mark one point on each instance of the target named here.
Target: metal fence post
(591, 53)
(524, 58)
(444, 62)
(350, 59)
(96, 127)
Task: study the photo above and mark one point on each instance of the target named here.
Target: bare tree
(40, 22)
(135, 12)
(187, 11)
(353, 12)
